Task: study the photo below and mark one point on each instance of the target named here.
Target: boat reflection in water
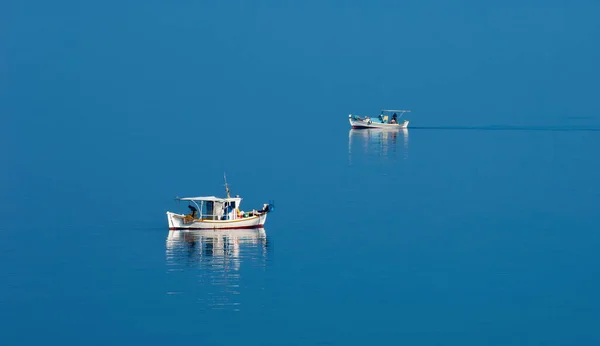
(382, 142)
(216, 260)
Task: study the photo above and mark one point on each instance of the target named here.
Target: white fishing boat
(217, 213)
(385, 120)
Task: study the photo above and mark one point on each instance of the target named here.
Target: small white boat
(383, 121)
(217, 213)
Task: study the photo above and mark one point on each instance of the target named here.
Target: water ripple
(215, 260)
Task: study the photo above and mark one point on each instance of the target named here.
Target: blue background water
(476, 226)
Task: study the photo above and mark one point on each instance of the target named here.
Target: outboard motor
(269, 207)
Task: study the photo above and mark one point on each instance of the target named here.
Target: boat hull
(361, 124)
(176, 222)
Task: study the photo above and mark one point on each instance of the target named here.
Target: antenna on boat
(226, 187)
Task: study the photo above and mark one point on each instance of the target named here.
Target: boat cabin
(387, 117)
(213, 208)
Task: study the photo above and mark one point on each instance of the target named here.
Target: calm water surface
(476, 226)
(420, 237)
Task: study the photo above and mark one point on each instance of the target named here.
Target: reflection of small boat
(225, 248)
(217, 213)
(217, 242)
(379, 141)
(249, 236)
(384, 120)
(220, 255)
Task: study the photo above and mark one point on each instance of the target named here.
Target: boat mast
(226, 187)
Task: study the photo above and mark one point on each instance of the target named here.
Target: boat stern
(262, 220)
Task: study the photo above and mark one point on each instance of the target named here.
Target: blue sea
(478, 225)
(425, 236)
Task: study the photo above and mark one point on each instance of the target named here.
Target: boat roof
(395, 110)
(207, 199)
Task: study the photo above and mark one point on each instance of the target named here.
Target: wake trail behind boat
(510, 128)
